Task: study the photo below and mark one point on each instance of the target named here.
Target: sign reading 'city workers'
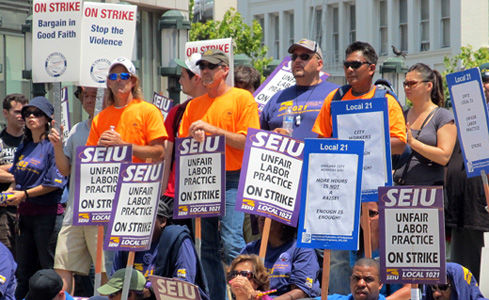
(56, 40)
(472, 119)
(330, 202)
(367, 120)
(108, 32)
(270, 177)
(200, 177)
(96, 176)
(135, 206)
(412, 234)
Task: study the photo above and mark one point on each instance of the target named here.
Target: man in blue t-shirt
(305, 98)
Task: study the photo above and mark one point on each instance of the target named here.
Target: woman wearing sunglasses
(37, 192)
(431, 131)
(248, 278)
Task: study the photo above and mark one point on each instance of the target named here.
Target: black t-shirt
(8, 144)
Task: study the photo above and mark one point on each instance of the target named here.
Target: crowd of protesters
(36, 231)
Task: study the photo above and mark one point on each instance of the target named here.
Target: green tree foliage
(466, 59)
(246, 39)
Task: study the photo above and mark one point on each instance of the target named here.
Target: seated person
(46, 284)
(461, 284)
(293, 271)
(248, 278)
(172, 253)
(113, 288)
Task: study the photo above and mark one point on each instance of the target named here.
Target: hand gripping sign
(412, 234)
(270, 176)
(96, 177)
(135, 206)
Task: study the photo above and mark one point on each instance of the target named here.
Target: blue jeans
(231, 237)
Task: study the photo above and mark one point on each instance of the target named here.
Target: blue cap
(42, 104)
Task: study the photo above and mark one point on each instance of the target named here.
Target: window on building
(353, 27)
(403, 28)
(276, 35)
(383, 27)
(445, 23)
(336, 35)
(261, 20)
(424, 25)
(318, 30)
(289, 17)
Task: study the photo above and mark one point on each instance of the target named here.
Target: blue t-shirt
(289, 265)
(345, 297)
(34, 165)
(8, 282)
(305, 102)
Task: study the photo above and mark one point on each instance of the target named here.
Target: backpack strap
(340, 92)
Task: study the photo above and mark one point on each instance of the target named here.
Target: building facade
(426, 30)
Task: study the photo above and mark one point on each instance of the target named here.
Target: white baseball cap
(190, 63)
(127, 63)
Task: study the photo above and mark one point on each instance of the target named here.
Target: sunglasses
(303, 56)
(35, 112)
(355, 64)
(373, 213)
(410, 84)
(208, 66)
(440, 287)
(247, 274)
(122, 76)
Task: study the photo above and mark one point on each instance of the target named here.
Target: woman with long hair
(37, 193)
(431, 131)
(248, 277)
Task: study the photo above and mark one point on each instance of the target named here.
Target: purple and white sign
(96, 176)
(412, 234)
(163, 103)
(281, 78)
(200, 176)
(135, 206)
(173, 289)
(270, 178)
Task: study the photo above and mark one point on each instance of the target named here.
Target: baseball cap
(127, 63)
(307, 44)
(42, 104)
(44, 285)
(165, 207)
(117, 280)
(190, 63)
(484, 71)
(214, 56)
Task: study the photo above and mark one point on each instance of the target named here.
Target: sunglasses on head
(303, 56)
(247, 274)
(208, 66)
(122, 76)
(355, 64)
(439, 287)
(35, 112)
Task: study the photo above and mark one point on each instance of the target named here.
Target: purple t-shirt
(289, 265)
(34, 165)
(305, 102)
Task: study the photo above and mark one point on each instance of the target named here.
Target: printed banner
(56, 32)
(280, 79)
(163, 103)
(330, 202)
(225, 45)
(96, 176)
(200, 175)
(472, 119)
(108, 32)
(173, 289)
(135, 207)
(412, 234)
(367, 120)
(65, 113)
(270, 178)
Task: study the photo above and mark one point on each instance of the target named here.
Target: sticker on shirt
(182, 273)
(309, 282)
(2, 279)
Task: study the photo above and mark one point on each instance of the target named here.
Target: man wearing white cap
(128, 119)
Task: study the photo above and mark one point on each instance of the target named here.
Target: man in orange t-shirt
(128, 119)
(228, 111)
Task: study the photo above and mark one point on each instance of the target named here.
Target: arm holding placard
(198, 129)
(154, 150)
(56, 139)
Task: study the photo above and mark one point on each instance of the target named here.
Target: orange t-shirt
(234, 111)
(138, 123)
(324, 122)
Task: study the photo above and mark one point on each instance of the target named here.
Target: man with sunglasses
(10, 138)
(305, 98)
(128, 119)
(228, 111)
